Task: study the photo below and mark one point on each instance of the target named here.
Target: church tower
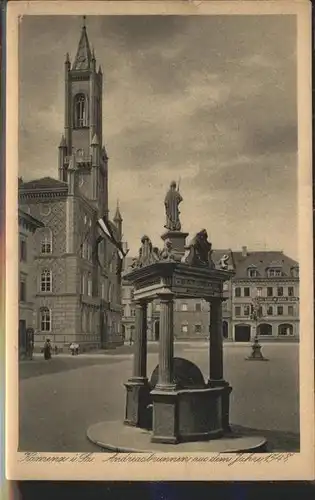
(82, 136)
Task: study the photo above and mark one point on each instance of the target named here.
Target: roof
(43, 184)
(28, 219)
(261, 261)
(84, 56)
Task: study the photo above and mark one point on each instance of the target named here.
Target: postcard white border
(295, 466)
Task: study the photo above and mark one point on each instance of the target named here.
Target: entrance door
(22, 336)
(242, 333)
(157, 330)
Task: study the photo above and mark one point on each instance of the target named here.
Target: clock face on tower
(81, 61)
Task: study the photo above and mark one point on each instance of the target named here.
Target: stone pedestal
(178, 240)
(137, 387)
(216, 379)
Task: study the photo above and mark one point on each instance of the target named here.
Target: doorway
(242, 333)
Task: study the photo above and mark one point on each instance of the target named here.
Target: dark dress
(47, 350)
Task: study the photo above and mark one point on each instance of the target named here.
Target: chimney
(244, 251)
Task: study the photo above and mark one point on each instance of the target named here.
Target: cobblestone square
(60, 398)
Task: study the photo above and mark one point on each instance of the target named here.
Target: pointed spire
(63, 142)
(95, 141)
(83, 58)
(67, 57)
(118, 217)
(100, 72)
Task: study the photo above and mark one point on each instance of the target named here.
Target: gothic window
(45, 319)
(80, 111)
(46, 281)
(89, 285)
(46, 241)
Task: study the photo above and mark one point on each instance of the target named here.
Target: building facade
(78, 295)
(28, 226)
(270, 277)
(273, 279)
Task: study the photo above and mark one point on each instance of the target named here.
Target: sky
(207, 99)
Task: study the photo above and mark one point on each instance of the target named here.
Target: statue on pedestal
(171, 202)
(200, 251)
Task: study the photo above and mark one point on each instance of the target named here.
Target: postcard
(159, 241)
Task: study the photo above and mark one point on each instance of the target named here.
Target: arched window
(80, 111)
(45, 241)
(264, 329)
(45, 319)
(46, 281)
(285, 329)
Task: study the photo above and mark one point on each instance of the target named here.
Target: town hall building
(77, 294)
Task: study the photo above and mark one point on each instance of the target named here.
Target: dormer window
(252, 272)
(274, 273)
(295, 272)
(80, 111)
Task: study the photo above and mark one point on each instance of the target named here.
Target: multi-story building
(272, 278)
(269, 275)
(78, 296)
(28, 226)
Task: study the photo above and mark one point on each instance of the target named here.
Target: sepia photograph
(161, 255)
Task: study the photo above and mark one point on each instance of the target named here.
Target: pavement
(60, 398)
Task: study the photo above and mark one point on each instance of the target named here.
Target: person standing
(47, 349)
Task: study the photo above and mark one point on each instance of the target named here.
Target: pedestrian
(47, 349)
(76, 348)
(72, 348)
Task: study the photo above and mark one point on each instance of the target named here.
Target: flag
(108, 233)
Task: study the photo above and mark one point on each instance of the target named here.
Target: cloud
(210, 99)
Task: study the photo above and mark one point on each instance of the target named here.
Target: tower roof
(118, 217)
(84, 55)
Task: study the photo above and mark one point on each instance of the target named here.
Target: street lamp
(256, 314)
